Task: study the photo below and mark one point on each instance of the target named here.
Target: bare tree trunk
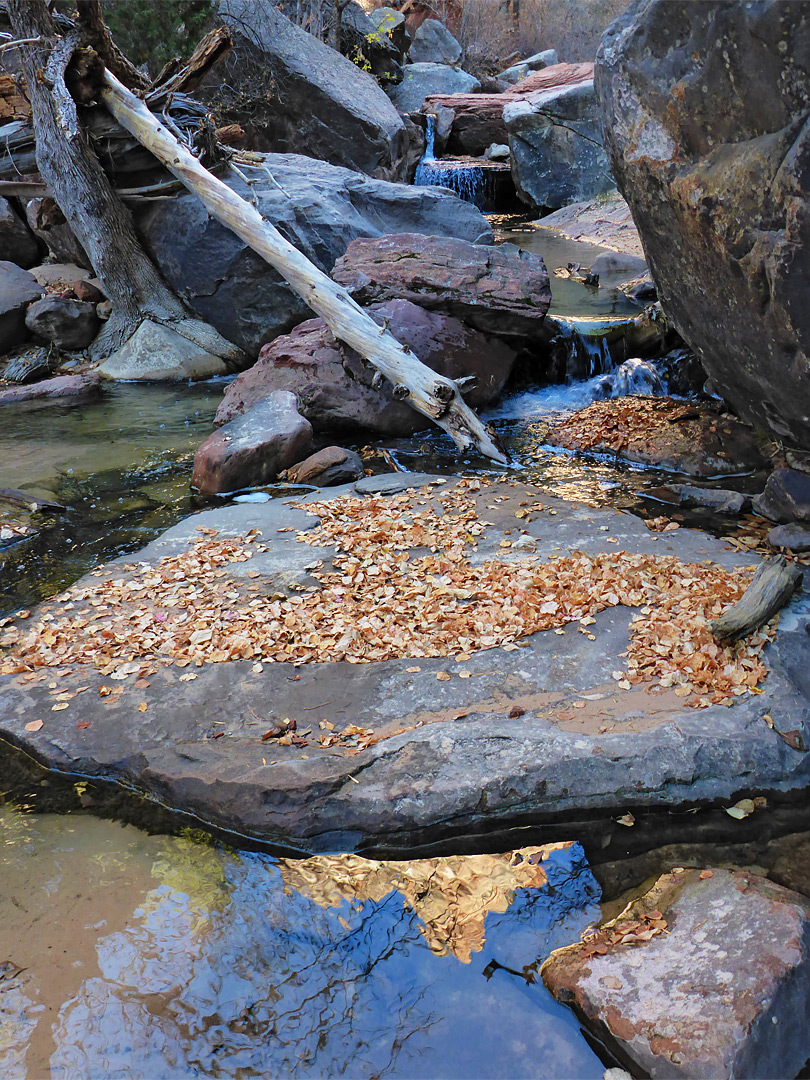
(85, 196)
(429, 393)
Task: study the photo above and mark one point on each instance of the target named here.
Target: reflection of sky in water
(215, 972)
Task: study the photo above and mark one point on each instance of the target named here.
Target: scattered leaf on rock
(33, 725)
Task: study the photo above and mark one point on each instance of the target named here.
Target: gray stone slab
(464, 766)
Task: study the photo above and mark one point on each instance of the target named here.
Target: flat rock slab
(721, 991)
(447, 757)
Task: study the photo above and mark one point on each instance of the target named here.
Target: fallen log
(771, 588)
(433, 395)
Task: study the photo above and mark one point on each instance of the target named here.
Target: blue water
(204, 963)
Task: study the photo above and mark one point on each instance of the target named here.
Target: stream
(136, 955)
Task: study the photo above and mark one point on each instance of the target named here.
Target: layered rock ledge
(390, 753)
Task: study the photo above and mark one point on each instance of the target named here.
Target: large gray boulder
(320, 208)
(555, 137)
(422, 80)
(706, 119)
(69, 324)
(17, 243)
(156, 353)
(296, 95)
(434, 44)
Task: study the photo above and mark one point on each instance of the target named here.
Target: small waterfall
(475, 180)
(584, 355)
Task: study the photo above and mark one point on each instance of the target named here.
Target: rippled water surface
(161, 957)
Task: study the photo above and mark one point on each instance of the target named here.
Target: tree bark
(85, 196)
(433, 395)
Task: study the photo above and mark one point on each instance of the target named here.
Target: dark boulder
(253, 449)
(705, 108)
(18, 289)
(500, 290)
(17, 243)
(330, 466)
(794, 537)
(434, 44)
(786, 497)
(334, 386)
(318, 207)
(300, 96)
(69, 324)
(555, 139)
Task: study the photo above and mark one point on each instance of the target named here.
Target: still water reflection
(166, 957)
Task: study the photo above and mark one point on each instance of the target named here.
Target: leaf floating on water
(743, 809)
(626, 819)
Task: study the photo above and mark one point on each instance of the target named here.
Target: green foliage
(151, 32)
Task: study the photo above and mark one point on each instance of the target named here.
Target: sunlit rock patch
(406, 581)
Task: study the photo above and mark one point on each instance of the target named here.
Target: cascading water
(475, 180)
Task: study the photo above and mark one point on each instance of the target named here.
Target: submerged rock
(319, 208)
(330, 466)
(56, 389)
(555, 139)
(717, 995)
(300, 96)
(334, 385)
(254, 448)
(500, 290)
(705, 111)
(786, 497)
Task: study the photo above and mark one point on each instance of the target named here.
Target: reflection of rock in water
(452, 895)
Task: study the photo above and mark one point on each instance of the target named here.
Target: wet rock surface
(606, 221)
(253, 449)
(459, 746)
(335, 387)
(500, 290)
(719, 994)
(713, 161)
(231, 287)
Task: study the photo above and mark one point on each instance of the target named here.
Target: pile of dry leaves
(401, 585)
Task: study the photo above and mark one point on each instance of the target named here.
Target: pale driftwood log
(771, 588)
(433, 395)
